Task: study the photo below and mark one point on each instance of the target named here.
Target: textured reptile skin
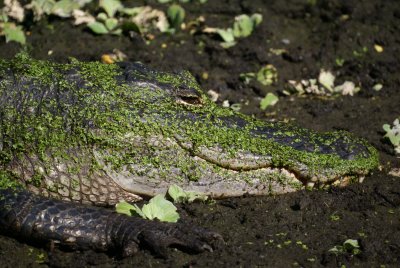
(31, 217)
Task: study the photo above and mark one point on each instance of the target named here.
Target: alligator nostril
(352, 151)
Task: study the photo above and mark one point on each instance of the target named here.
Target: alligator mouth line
(242, 165)
(252, 164)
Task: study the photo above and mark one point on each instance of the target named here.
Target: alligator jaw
(245, 161)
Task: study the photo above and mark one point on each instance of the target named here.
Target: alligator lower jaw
(274, 186)
(338, 182)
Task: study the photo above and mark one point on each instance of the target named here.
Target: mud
(276, 231)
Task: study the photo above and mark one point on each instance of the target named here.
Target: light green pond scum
(78, 122)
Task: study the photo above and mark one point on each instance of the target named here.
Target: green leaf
(40, 7)
(111, 23)
(350, 244)
(227, 44)
(247, 77)
(267, 75)
(181, 196)
(138, 211)
(176, 15)
(14, 33)
(176, 193)
(243, 26)
(160, 208)
(98, 27)
(117, 32)
(336, 250)
(124, 208)
(269, 100)
(128, 209)
(394, 139)
(131, 11)
(257, 19)
(102, 16)
(386, 127)
(393, 133)
(226, 35)
(164, 1)
(64, 8)
(3, 17)
(110, 6)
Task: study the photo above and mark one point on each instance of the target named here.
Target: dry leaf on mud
(13, 9)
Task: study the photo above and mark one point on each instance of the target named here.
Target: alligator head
(99, 133)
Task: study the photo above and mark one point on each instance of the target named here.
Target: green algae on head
(100, 133)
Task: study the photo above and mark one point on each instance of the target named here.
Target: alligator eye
(189, 100)
(188, 96)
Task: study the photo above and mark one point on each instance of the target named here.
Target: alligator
(78, 136)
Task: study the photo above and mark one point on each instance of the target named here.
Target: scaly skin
(96, 133)
(31, 217)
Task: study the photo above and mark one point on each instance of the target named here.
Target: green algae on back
(99, 133)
